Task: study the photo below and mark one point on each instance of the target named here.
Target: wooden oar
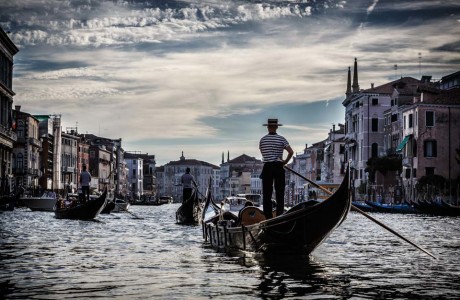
(124, 209)
(364, 214)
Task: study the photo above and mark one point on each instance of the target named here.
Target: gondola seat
(250, 215)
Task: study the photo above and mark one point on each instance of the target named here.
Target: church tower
(355, 77)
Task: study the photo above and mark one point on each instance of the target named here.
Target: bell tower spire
(355, 77)
(348, 92)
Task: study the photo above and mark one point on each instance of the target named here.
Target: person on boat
(272, 147)
(188, 182)
(85, 180)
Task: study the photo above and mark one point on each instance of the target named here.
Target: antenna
(419, 64)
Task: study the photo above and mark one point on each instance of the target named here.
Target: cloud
(202, 76)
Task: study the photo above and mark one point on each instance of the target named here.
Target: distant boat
(297, 231)
(362, 206)
(120, 205)
(45, 202)
(438, 209)
(402, 208)
(81, 210)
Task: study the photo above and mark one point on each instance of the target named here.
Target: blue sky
(202, 76)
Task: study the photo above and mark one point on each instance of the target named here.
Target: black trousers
(186, 194)
(273, 174)
(85, 192)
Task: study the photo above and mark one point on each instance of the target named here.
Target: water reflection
(124, 257)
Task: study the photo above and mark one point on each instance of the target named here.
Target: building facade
(26, 152)
(7, 135)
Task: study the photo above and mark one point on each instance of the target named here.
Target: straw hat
(272, 122)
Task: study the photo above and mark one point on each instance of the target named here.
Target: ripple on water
(124, 257)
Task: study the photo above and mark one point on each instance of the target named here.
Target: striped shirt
(272, 146)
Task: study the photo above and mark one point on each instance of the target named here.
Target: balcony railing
(7, 132)
(35, 142)
(407, 162)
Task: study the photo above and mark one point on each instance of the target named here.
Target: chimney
(17, 107)
(372, 85)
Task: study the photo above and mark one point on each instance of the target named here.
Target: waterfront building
(308, 163)
(26, 152)
(135, 165)
(69, 159)
(82, 157)
(110, 170)
(169, 176)
(149, 178)
(365, 112)
(49, 131)
(240, 175)
(431, 130)
(334, 164)
(7, 135)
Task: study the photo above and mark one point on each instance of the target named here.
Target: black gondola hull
(86, 211)
(298, 231)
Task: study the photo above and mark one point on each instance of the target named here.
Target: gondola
(190, 210)
(437, 209)
(402, 208)
(108, 208)
(299, 230)
(81, 211)
(8, 202)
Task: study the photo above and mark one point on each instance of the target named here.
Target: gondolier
(272, 147)
(188, 182)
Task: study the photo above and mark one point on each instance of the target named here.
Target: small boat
(120, 205)
(45, 202)
(299, 230)
(108, 208)
(362, 206)
(437, 208)
(190, 210)
(8, 202)
(80, 210)
(402, 208)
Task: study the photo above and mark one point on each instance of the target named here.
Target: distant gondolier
(272, 147)
(188, 182)
(85, 180)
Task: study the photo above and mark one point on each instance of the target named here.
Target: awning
(403, 143)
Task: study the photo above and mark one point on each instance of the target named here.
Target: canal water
(121, 257)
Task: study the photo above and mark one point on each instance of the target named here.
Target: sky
(201, 77)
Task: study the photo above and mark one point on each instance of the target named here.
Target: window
(410, 121)
(429, 171)
(429, 118)
(375, 124)
(375, 101)
(19, 161)
(404, 122)
(394, 118)
(375, 150)
(429, 148)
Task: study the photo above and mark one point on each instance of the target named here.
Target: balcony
(9, 135)
(35, 142)
(407, 162)
(68, 169)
